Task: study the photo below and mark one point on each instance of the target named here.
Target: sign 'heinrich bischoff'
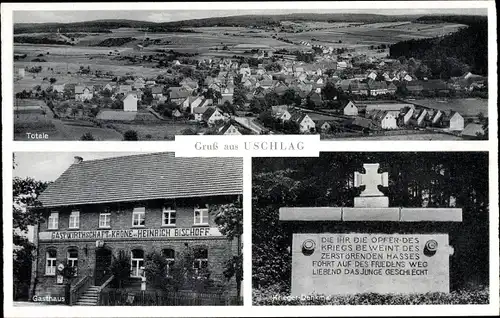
(355, 262)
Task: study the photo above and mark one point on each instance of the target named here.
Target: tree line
(468, 46)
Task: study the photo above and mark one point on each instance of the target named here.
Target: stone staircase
(89, 298)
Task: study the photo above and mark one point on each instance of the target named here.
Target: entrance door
(102, 264)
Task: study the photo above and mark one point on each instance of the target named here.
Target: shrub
(87, 136)
(120, 267)
(185, 276)
(274, 296)
(157, 271)
(130, 135)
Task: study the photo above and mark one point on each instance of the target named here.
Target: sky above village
(48, 166)
(40, 16)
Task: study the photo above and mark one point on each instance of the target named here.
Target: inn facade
(138, 204)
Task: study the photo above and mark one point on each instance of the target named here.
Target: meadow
(467, 107)
(152, 131)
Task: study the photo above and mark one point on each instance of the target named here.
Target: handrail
(106, 283)
(104, 286)
(79, 288)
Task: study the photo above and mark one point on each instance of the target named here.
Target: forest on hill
(105, 26)
(275, 20)
(468, 45)
(97, 26)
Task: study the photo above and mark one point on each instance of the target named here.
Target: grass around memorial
(275, 296)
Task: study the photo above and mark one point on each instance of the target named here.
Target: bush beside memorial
(268, 297)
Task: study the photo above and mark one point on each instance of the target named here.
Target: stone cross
(371, 180)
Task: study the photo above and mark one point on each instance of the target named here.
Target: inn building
(138, 204)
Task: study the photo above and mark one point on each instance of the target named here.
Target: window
(105, 220)
(139, 217)
(169, 255)
(168, 216)
(201, 216)
(200, 259)
(137, 263)
(54, 221)
(74, 220)
(50, 265)
(73, 259)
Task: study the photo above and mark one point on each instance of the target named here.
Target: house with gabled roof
(349, 108)
(323, 126)
(452, 120)
(124, 89)
(213, 115)
(377, 88)
(357, 88)
(83, 93)
(391, 88)
(407, 114)
(58, 88)
(360, 123)
(137, 204)
(306, 124)
(228, 129)
(189, 84)
(473, 131)
(139, 83)
(109, 87)
(384, 119)
(130, 103)
(178, 95)
(157, 92)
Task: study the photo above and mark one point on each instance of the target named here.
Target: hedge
(269, 297)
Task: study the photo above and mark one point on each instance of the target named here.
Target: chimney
(78, 160)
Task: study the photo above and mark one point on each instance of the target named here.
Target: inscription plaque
(333, 263)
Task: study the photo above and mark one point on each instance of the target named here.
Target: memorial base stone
(354, 263)
(371, 202)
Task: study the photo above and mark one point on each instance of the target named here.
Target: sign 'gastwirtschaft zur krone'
(136, 204)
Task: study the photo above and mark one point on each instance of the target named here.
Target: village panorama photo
(385, 74)
(121, 229)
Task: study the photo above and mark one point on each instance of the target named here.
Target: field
(75, 132)
(64, 58)
(59, 130)
(153, 131)
(205, 38)
(467, 107)
(426, 136)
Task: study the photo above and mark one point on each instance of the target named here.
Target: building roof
(434, 85)
(362, 122)
(144, 177)
(157, 90)
(79, 89)
(473, 130)
(199, 110)
(208, 113)
(358, 86)
(377, 85)
(179, 92)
